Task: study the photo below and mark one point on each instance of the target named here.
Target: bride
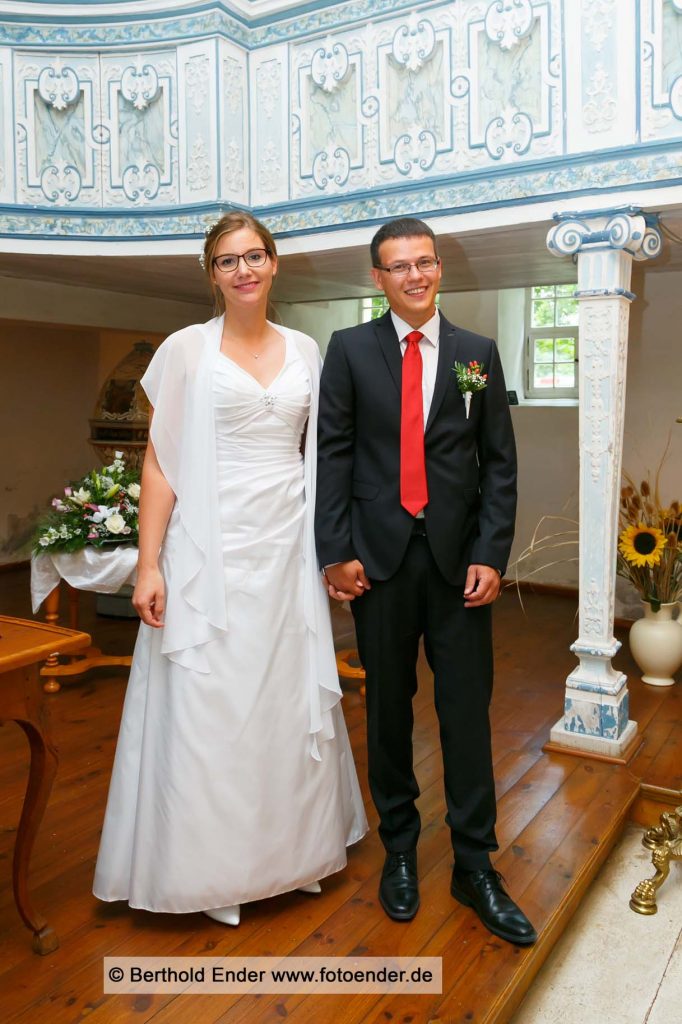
(233, 778)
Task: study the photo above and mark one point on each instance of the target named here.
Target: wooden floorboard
(558, 818)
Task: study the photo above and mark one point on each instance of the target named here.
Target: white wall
(319, 319)
(52, 303)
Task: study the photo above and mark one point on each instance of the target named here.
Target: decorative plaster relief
(268, 86)
(512, 89)
(271, 118)
(413, 113)
(329, 65)
(593, 611)
(198, 166)
(197, 136)
(139, 84)
(233, 104)
(139, 130)
(508, 21)
(55, 99)
(599, 20)
(509, 135)
(413, 42)
(601, 108)
(58, 86)
(197, 71)
(661, 68)
(333, 125)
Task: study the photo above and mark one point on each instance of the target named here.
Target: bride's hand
(149, 597)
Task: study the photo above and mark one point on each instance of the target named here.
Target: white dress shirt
(428, 346)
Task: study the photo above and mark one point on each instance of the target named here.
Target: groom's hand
(346, 580)
(482, 586)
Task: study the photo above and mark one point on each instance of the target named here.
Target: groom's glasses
(425, 265)
(229, 262)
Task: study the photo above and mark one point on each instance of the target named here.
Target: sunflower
(642, 545)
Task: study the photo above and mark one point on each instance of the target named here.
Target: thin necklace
(255, 355)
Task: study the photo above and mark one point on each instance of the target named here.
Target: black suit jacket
(470, 463)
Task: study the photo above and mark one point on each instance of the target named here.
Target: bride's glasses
(229, 261)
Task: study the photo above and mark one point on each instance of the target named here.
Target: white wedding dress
(215, 798)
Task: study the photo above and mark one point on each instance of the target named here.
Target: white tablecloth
(104, 570)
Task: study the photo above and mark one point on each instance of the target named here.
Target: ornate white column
(605, 243)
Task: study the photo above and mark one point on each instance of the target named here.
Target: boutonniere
(470, 379)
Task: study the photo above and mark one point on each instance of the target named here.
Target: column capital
(626, 229)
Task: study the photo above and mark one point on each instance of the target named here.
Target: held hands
(347, 580)
(149, 597)
(482, 586)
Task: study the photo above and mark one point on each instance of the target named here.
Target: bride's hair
(229, 222)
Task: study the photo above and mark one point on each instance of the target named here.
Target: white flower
(106, 480)
(44, 541)
(134, 491)
(115, 523)
(103, 513)
(118, 455)
(81, 496)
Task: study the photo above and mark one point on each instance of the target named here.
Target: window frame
(531, 335)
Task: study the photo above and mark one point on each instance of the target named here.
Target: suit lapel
(390, 347)
(447, 353)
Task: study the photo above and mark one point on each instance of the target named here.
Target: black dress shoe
(399, 889)
(483, 891)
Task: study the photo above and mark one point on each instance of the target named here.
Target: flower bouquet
(470, 380)
(101, 508)
(650, 544)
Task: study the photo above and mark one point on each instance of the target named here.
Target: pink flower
(67, 491)
(92, 536)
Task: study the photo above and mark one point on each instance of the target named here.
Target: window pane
(567, 312)
(542, 291)
(564, 350)
(543, 375)
(543, 313)
(564, 375)
(544, 350)
(379, 306)
(566, 289)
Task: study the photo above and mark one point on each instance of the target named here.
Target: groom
(416, 498)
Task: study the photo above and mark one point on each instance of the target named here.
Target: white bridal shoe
(226, 915)
(230, 915)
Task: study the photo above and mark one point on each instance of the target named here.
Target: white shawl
(178, 383)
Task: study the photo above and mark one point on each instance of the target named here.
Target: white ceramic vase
(656, 644)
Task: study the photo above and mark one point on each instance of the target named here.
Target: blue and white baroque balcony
(142, 120)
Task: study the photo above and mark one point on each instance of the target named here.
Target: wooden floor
(559, 816)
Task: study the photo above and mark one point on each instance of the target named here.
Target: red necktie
(413, 491)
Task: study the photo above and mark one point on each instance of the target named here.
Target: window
(551, 357)
(377, 305)
(374, 307)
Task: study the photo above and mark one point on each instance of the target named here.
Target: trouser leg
(389, 622)
(458, 644)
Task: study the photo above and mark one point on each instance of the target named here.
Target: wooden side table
(53, 670)
(23, 646)
(101, 570)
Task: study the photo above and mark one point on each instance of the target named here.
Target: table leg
(73, 607)
(41, 776)
(51, 605)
